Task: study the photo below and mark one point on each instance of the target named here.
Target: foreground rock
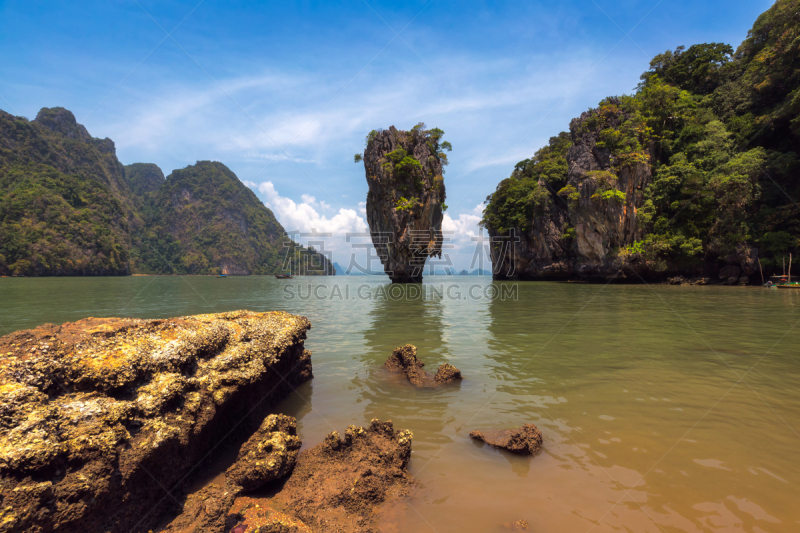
(268, 455)
(100, 418)
(404, 360)
(406, 196)
(525, 440)
(338, 486)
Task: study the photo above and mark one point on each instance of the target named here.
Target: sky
(284, 93)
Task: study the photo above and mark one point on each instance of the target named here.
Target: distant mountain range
(69, 207)
(438, 270)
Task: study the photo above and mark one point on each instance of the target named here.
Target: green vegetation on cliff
(521, 197)
(721, 132)
(62, 208)
(68, 207)
(202, 219)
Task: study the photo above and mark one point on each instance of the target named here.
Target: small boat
(222, 276)
(283, 276)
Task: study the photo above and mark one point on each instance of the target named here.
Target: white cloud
(463, 229)
(305, 217)
(311, 200)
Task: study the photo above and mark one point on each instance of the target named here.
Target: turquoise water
(662, 408)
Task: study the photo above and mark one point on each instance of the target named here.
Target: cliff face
(98, 415)
(405, 199)
(605, 215)
(581, 225)
(69, 207)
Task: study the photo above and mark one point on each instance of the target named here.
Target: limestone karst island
(389, 267)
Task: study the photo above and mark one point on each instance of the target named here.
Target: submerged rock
(517, 525)
(104, 420)
(405, 199)
(404, 360)
(339, 485)
(525, 440)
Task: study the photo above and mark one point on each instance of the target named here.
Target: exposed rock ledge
(100, 416)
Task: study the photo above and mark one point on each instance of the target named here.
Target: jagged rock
(587, 229)
(252, 517)
(404, 360)
(268, 455)
(525, 440)
(62, 121)
(339, 485)
(404, 203)
(99, 415)
(601, 226)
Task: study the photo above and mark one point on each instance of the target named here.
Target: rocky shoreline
(104, 421)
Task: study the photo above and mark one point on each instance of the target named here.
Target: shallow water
(662, 408)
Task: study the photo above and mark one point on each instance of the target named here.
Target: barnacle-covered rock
(97, 416)
(269, 454)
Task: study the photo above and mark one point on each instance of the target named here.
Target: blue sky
(284, 92)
